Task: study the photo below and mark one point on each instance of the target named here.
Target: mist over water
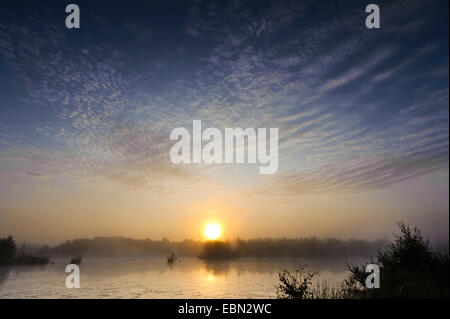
(152, 277)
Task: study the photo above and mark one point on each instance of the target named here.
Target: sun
(212, 231)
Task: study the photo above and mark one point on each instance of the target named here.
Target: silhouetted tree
(9, 255)
(7, 250)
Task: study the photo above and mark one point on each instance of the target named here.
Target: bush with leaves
(296, 285)
(409, 268)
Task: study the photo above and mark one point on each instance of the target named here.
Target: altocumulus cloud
(356, 110)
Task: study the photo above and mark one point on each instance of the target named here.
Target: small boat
(76, 260)
(172, 258)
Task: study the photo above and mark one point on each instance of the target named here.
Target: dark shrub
(296, 285)
(409, 268)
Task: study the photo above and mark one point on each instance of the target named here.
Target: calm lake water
(154, 278)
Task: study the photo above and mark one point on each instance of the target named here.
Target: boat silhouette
(76, 260)
(172, 258)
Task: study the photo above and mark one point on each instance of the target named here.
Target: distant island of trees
(238, 248)
(309, 247)
(10, 256)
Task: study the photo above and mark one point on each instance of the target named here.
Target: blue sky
(359, 110)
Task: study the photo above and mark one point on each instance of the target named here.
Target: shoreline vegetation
(409, 269)
(9, 256)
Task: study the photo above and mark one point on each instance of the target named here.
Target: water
(154, 278)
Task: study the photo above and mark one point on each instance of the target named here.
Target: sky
(86, 115)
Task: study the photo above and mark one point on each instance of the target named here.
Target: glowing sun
(212, 231)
